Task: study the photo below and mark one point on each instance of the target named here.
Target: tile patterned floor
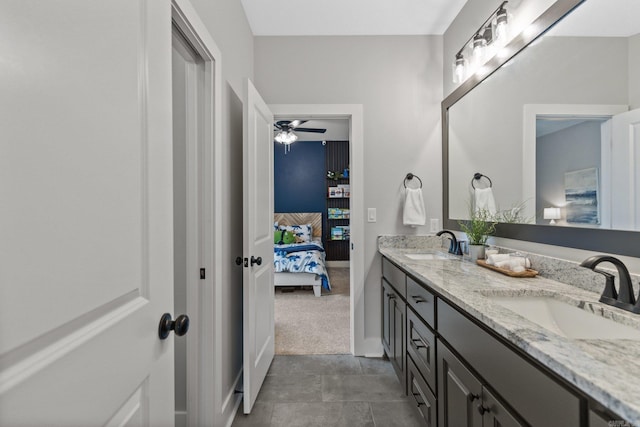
(330, 391)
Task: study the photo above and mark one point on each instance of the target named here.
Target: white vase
(476, 252)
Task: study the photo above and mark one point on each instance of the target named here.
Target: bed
(301, 263)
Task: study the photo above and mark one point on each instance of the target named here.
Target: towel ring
(409, 177)
(477, 176)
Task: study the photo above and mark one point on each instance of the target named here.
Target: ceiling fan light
(286, 137)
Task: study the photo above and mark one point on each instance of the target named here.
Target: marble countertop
(607, 370)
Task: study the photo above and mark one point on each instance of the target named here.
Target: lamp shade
(552, 214)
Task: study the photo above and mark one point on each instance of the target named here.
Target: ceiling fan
(286, 128)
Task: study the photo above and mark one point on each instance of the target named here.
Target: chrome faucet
(454, 246)
(622, 298)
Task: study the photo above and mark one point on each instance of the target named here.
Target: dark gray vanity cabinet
(532, 394)
(459, 392)
(463, 400)
(394, 318)
(421, 394)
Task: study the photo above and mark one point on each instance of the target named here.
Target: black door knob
(256, 260)
(238, 260)
(180, 325)
(482, 409)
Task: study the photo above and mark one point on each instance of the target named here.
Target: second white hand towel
(413, 213)
(484, 200)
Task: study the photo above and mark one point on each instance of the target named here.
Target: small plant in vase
(478, 228)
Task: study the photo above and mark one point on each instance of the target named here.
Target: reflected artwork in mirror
(557, 128)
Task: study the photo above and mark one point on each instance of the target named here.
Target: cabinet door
(494, 413)
(399, 337)
(459, 392)
(386, 318)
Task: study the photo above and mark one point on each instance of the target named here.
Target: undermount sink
(428, 256)
(565, 319)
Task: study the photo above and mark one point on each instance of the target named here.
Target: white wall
(634, 72)
(226, 22)
(397, 79)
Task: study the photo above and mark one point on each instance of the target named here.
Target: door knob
(238, 260)
(180, 325)
(256, 260)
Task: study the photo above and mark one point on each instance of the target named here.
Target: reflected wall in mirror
(558, 126)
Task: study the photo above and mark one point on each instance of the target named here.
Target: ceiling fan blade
(294, 124)
(312, 130)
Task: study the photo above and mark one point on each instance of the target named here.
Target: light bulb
(479, 45)
(459, 69)
(501, 26)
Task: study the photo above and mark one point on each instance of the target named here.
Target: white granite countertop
(608, 370)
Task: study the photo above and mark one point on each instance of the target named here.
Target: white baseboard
(232, 402)
(339, 264)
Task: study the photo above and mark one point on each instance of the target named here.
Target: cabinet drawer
(394, 276)
(422, 301)
(421, 346)
(532, 393)
(421, 395)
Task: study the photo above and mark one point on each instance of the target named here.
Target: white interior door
(625, 176)
(86, 208)
(258, 298)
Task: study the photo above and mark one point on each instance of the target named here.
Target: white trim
(209, 293)
(530, 112)
(354, 112)
(232, 401)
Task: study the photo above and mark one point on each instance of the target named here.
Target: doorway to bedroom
(312, 186)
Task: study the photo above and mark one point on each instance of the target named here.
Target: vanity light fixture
(492, 33)
(552, 214)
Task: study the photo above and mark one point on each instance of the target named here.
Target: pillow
(283, 237)
(302, 232)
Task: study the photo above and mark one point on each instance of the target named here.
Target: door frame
(359, 344)
(205, 356)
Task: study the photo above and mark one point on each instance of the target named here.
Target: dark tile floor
(330, 391)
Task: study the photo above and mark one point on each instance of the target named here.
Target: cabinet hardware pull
(392, 296)
(418, 299)
(418, 343)
(418, 401)
(473, 397)
(482, 409)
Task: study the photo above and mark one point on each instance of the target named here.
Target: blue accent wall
(299, 178)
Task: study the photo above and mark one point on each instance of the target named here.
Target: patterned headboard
(297, 218)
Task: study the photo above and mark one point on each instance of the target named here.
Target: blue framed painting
(581, 196)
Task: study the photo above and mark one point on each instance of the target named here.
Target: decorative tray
(526, 273)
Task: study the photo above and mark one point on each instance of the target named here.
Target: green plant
(481, 225)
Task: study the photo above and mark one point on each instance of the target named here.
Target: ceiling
(350, 17)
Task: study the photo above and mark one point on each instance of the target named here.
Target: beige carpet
(306, 324)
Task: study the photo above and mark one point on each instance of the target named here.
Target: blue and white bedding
(305, 257)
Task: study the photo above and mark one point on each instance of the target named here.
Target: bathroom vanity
(469, 354)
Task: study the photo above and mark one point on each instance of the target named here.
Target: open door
(625, 176)
(258, 298)
(86, 208)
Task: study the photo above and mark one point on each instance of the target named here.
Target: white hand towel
(413, 213)
(484, 200)
(493, 259)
